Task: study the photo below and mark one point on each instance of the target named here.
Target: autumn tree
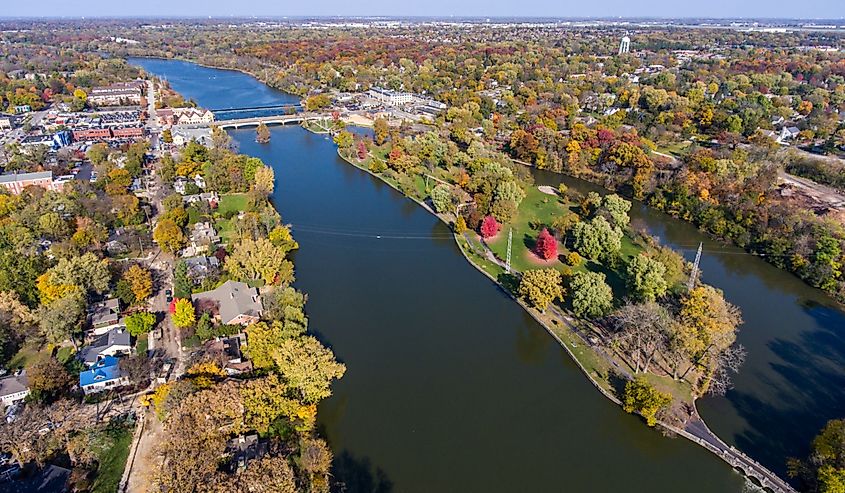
(169, 235)
(62, 318)
(380, 130)
(546, 246)
(597, 238)
(183, 314)
(642, 398)
(262, 133)
(264, 181)
(489, 227)
(259, 260)
(441, 197)
(591, 296)
(308, 366)
(140, 281)
(541, 287)
(47, 378)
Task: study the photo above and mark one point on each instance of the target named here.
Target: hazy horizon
(546, 9)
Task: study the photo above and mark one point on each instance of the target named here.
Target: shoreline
(720, 452)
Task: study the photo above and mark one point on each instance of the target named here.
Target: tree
(541, 287)
(286, 306)
(182, 284)
(62, 318)
(546, 246)
(315, 458)
(308, 367)
(263, 339)
(646, 277)
(641, 331)
(47, 377)
(460, 225)
(642, 398)
(267, 474)
(169, 235)
(380, 130)
(264, 180)
(140, 281)
(183, 314)
(489, 227)
(98, 153)
(87, 271)
(344, 141)
(281, 237)
(167, 136)
(596, 238)
(262, 133)
(220, 139)
(824, 469)
(254, 260)
(140, 323)
(441, 197)
(591, 296)
(615, 209)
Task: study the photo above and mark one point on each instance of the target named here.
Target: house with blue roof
(105, 374)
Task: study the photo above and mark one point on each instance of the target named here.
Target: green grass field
(232, 202)
(113, 462)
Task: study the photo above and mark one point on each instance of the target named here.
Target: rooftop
(104, 370)
(13, 384)
(234, 299)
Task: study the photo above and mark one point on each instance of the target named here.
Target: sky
(829, 9)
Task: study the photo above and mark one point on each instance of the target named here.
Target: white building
(13, 388)
(391, 97)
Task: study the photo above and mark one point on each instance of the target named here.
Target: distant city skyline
(807, 9)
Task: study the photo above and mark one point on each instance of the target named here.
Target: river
(453, 387)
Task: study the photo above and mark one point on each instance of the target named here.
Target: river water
(453, 387)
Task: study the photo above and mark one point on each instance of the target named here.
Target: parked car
(169, 294)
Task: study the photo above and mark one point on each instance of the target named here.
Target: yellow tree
(183, 314)
(140, 281)
(169, 235)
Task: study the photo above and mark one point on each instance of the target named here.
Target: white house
(13, 388)
(115, 342)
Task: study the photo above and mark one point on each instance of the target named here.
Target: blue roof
(104, 370)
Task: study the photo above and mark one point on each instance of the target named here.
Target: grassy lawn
(28, 354)
(112, 462)
(232, 202)
(141, 344)
(224, 229)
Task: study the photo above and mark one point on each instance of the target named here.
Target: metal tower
(508, 258)
(694, 274)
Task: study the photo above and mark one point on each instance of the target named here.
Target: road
(817, 192)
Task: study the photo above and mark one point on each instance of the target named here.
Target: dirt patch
(547, 190)
(536, 260)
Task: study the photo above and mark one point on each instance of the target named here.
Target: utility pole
(508, 258)
(694, 274)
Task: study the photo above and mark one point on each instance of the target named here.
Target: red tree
(489, 227)
(362, 150)
(546, 247)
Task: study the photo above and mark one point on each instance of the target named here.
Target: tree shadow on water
(357, 475)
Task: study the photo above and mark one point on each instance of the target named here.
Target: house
(199, 181)
(191, 116)
(211, 197)
(104, 316)
(17, 182)
(103, 375)
(235, 302)
(788, 133)
(244, 449)
(227, 351)
(13, 388)
(118, 94)
(203, 235)
(201, 267)
(5, 123)
(182, 136)
(115, 342)
(179, 185)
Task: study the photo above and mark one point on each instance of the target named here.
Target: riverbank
(602, 370)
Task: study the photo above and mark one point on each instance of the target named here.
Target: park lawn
(232, 202)
(112, 463)
(27, 355)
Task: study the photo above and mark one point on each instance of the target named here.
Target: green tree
(182, 284)
(591, 296)
(597, 238)
(62, 318)
(541, 287)
(646, 277)
(87, 271)
(615, 209)
(642, 398)
(441, 197)
(183, 314)
(140, 323)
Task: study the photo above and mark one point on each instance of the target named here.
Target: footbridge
(697, 431)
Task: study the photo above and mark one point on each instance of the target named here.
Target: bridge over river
(254, 121)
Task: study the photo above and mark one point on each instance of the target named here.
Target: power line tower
(508, 258)
(694, 274)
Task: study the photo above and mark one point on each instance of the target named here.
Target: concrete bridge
(697, 431)
(267, 120)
